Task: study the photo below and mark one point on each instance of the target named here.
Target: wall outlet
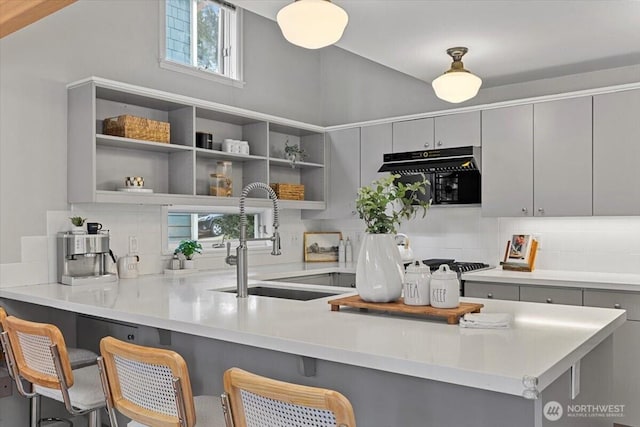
(6, 385)
(133, 245)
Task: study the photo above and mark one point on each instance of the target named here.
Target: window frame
(265, 222)
(229, 35)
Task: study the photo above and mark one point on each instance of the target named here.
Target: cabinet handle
(490, 295)
(525, 210)
(426, 144)
(617, 306)
(130, 337)
(541, 210)
(549, 301)
(439, 143)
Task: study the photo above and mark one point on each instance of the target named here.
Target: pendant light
(312, 24)
(456, 84)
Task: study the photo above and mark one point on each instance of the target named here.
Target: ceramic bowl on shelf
(133, 181)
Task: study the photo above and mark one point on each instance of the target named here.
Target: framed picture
(520, 253)
(321, 246)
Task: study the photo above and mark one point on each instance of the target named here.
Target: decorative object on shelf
(312, 24)
(93, 227)
(78, 223)
(294, 153)
(134, 127)
(220, 183)
(445, 288)
(286, 191)
(383, 206)
(520, 253)
(134, 181)
(204, 140)
(321, 246)
(457, 84)
(188, 248)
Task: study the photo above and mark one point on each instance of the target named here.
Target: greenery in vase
(78, 221)
(294, 152)
(188, 248)
(387, 202)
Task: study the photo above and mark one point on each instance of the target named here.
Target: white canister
(128, 266)
(227, 145)
(416, 284)
(244, 147)
(445, 288)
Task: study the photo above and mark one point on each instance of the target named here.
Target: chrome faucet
(240, 258)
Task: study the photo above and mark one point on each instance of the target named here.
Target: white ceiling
(509, 41)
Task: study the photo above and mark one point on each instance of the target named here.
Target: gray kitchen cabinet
(507, 165)
(413, 135)
(491, 291)
(551, 295)
(179, 172)
(629, 301)
(562, 157)
(457, 130)
(616, 153)
(375, 141)
(344, 176)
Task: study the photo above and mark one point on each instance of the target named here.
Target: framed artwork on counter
(321, 246)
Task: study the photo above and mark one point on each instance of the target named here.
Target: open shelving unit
(179, 172)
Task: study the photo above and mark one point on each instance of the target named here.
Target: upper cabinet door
(562, 157)
(507, 161)
(413, 135)
(374, 142)
(616, 153)
(458, 130)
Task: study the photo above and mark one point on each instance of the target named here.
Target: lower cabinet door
(550, 295)
(629, 301)
(491, 291)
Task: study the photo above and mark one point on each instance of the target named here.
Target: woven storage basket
(289, 191)
(137, 128)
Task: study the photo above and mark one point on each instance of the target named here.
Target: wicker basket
(137, 128)
(288, 191)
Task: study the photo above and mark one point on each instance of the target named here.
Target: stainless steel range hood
(444, 160)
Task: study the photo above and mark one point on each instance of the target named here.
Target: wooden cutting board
(452, 315)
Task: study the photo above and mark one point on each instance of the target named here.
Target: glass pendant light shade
(457, 84)
(312, 24)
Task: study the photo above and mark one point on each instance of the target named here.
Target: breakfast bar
(397, 370)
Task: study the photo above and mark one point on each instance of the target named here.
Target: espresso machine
(82, 259)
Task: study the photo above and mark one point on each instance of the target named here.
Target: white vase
(188, 264)
(379, 273)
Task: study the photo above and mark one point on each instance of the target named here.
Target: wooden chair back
(3, 315)
(148, 385)
(258, 401)
(32, 343)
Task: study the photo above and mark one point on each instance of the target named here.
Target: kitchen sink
(286, 293)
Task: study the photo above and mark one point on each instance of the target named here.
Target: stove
(457, 266)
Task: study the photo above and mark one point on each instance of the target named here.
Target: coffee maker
(82, 259)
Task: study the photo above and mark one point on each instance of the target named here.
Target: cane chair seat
(254, 401)
(151, 386)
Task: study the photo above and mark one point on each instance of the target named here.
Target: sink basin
(286, 293)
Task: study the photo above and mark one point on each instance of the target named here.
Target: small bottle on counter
(348, 251)
(175, 262)
(341, 252)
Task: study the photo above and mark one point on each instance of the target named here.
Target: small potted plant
(294, 153)
(188, 248)
(78, 223)
(383, 206)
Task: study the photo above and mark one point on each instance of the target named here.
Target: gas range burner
(457, 266)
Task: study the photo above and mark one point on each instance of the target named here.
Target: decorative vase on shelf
(188, 264)
(379, 272)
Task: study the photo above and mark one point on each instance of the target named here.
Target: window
(201, 37)
(213, 228)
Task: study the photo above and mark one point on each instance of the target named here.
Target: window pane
(178, 31)
(179, 227)
(208, 28)
(227, 225)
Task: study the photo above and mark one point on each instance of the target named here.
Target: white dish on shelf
(136, 190)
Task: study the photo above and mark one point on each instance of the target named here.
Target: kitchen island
(397, 371)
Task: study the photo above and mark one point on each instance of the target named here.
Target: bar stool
(254, 401)
(39, 355)
(152, 387)
(78, 357)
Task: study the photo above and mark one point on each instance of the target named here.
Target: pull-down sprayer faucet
(240, 258)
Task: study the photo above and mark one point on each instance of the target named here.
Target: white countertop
(574, 279)
(543, 342)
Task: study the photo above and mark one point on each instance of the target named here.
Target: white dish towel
(486, 320)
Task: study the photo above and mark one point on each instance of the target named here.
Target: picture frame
(321, 246)
(520, 253)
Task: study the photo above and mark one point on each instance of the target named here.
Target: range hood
(457, 159)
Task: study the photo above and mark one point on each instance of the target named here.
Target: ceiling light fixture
(457, 84)
(312, 23)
